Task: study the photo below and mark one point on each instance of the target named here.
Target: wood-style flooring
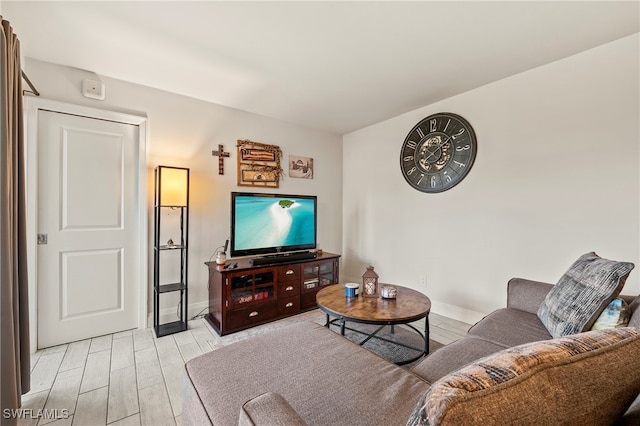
(134, 378)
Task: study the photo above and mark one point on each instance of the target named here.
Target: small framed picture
(300, 167)
(258, 176)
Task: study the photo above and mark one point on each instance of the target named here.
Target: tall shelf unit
(171, 219)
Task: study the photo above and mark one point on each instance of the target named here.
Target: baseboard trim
(456, 312)
(169, 314)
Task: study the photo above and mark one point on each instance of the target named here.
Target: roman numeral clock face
(438, 152)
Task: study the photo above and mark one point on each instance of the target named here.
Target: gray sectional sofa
(514, 325)
(307, 374)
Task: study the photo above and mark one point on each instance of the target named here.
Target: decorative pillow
(587, 378)
(590, 284)
(617, 314)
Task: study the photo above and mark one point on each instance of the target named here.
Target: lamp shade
(174, 186)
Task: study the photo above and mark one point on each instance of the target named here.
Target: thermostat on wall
(93, 89)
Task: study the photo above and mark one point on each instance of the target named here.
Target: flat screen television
(272, 223)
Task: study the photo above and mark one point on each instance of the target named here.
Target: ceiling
(334, 66)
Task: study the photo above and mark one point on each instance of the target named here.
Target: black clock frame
(438, 152)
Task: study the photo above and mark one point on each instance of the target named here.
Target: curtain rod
(33, 89)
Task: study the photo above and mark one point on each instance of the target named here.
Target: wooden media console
(248, 295)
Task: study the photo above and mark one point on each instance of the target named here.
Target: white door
(87, 211)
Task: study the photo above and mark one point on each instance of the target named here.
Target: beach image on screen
(262, 222)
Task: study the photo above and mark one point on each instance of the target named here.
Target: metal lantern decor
(369, 283)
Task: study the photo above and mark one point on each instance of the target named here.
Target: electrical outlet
(423, 281)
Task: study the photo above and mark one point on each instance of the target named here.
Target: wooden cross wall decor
(221, 156)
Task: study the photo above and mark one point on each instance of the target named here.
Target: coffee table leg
(328, 322)
(342, 325)
(426, 335)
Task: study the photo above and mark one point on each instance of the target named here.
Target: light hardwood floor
(134, 378)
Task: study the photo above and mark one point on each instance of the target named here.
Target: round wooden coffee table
(408, 306)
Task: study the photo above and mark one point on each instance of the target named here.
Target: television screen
(272, 223)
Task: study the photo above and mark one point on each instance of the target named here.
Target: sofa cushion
(634, 306)
(324, 377)
(582, 293)
(510, 327)
(454, 356)
(616, 314)
(588, 378)
(526, 295)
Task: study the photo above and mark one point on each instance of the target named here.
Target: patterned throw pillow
(617, 314)
(590, 284)
(587, 378)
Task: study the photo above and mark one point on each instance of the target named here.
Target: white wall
(182, 132)
(556, 176)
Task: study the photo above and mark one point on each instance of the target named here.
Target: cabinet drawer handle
(253, 314)
(290, 288)
(288, 305)
(289, 272)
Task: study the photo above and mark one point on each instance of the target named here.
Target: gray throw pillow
(584, 291)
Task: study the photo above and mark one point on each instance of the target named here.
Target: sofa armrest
(526, 295)
(269, 409)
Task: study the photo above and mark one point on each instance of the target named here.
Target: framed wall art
(259, 164)
(300, 167)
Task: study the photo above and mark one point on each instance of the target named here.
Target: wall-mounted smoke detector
(93, 89)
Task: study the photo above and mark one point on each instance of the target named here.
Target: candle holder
(370, 283)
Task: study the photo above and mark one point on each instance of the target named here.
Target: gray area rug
(387, 350)
(398, 346)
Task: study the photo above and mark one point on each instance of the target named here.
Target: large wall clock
(438, 152)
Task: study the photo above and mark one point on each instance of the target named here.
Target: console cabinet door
(318, 274)
(251, 287)
(327, 273)
(315, 276)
